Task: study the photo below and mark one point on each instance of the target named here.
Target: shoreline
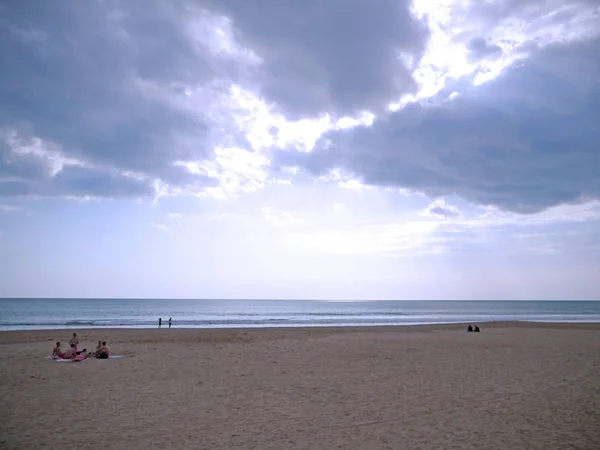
(291, 331)
(441, 325)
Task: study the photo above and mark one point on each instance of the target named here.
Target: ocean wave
(304, 320)
(83, 323)
(313, 314)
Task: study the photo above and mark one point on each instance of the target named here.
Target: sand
(512, 386)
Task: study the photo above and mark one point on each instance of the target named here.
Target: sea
(39, 314)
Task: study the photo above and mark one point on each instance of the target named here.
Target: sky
(301, 149)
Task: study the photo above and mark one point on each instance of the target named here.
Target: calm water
(30, 314)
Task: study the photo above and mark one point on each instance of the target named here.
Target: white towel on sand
(70, 360)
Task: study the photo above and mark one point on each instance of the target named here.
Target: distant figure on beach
(57, 351)
(104, 351)
(476, 330)
(470, 328)
(159, 322)
(170, 322)
(74, 341)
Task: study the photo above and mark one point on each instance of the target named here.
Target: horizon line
(299, 299)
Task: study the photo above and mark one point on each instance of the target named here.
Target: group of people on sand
(473, 329)
(102, 351)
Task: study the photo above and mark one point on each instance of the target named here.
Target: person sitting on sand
(103, 352)
(81, 356)
(74, 341)
(70, 353)
(476, 330)
(98, 347)
(57, 352)
(470, 328)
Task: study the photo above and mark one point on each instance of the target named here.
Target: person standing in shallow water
(159, 322)
(170, 322)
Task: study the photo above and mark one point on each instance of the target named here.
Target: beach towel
(70, 360)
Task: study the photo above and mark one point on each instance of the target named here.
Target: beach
(512, 386)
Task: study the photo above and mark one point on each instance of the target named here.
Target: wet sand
(512, 386)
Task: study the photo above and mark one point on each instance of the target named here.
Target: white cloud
(507, 27)
(354, 185)
(215, 33)
(399, 239)
(175, 215)
(235, 170)
(277, 218)
(413, 236)
(34, 150)
(344, 180)
(339, 207)
(159, 226)
(9, 208)
(494, 217)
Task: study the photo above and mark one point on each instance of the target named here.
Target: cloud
(9, 208)
(27, 35)
(175, 215)
(479, 48)
(545, 19)
(315, 61)
(524, 142)
(408, 238)
(84, 90)
(277, 218)
(159, 226)
(343, 180)
(339, 207)
(149, 99)
(481, 39)
(549, 232)
(441, 208)
(31, 166)
(237, 171)
(165, 92)
(562, 214)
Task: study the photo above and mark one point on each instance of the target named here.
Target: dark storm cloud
(67, 77)
(336, 56)
(75, 74)
(524, 142)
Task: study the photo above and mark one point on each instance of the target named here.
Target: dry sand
(512, 386)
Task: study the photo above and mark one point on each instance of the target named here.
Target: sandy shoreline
(515, 385)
